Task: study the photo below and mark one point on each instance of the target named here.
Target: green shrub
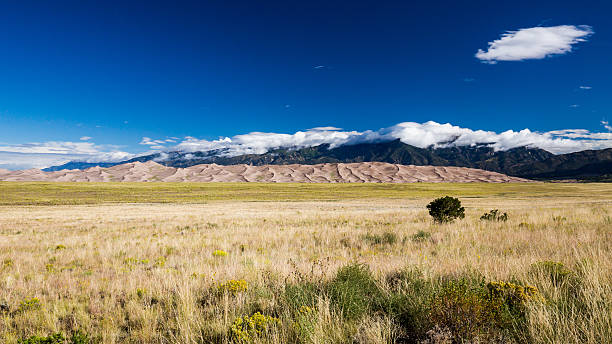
(247, 329)
(56, 338)
(465, 307)
(557, 272)
(7, 263)
(408, 303)
(29, 304)
(78, 337)
(304, 324)
(494, 215)
(566, 281)
(354, 291)
(301, 294)
(421, 236)
(514, 297)
(387, 238)
(446, 209)
(141, 292)
(233, 287)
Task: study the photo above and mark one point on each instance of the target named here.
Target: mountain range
(524, 162)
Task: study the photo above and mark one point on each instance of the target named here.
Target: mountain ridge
(525, 162)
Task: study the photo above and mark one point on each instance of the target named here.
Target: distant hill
(533, 163)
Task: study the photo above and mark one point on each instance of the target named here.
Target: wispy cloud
(85, 138)
(534, 43)
(157, 144)
(606, 125)
(150, 142)
(574, 106)
(44, 154)
(585, 87)
(319, 67)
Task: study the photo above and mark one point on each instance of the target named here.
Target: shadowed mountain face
(522, 162)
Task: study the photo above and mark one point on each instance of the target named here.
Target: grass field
(41, 193)
(303, 263)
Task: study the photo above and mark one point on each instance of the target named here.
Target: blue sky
(92, 79)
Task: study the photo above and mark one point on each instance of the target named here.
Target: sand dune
(365, 172)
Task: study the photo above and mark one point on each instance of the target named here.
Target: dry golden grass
(146, 273)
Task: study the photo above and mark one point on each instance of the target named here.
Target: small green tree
(446, 209)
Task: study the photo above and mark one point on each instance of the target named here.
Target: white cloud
(534, 43)
(45, 154)
(585, 87)
(150, 142)
(85, 138)
(574, 106)
(417, 134)
(51, 147)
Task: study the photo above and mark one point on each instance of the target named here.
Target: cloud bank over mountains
(421, 135)
(534, 43)
(45, 154)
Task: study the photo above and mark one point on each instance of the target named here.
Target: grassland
(53, 193)
(186, 263)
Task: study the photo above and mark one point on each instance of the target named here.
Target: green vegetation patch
(56, 193)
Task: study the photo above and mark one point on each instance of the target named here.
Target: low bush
(219, 253)
(233, 287)
(495, 215)
(78, 337)
(354, 291)
(29, 304)
(387, 238)
(446, 209)
(421, 236)
(566, 282)
(304, 324)
(56, 338)
(556, 271)
(301, 294)
(465, 308)
(247, 329)
(7, 263)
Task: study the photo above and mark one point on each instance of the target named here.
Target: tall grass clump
(354, 291)
(578, 307)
